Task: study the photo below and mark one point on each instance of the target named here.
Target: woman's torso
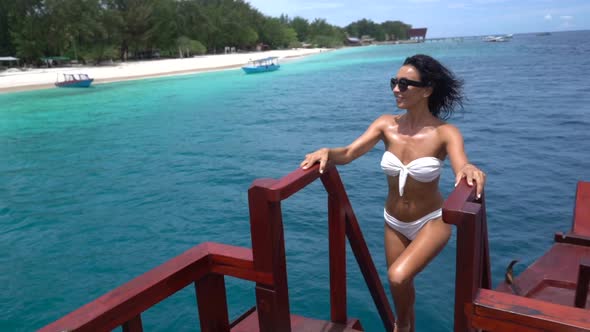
(417, 198)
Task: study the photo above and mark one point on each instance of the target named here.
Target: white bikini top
(423, 169)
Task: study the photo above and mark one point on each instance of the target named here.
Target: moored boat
(262, 65)
(498, 38)
(493, 39)
(74, 81)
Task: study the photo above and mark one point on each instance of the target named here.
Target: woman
(416, 143)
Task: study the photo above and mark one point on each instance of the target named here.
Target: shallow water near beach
(102, 184)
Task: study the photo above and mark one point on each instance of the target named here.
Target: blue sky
(443, 18)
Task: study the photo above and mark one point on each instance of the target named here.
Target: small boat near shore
(74, 81)
(262, 65)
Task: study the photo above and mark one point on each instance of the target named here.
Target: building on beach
(8, 61)
(418, 34)
(352, 41)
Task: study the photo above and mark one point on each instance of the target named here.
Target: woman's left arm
(456, 151)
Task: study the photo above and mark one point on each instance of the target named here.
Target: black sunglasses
(403, 83)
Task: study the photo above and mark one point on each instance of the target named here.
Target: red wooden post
(268, 250)
(212, 303)
(133, 325)
(361, 252)
(337, 237)
(581, 220)
(486, 279)
(465, 284)
(582, 286)
(472, 266)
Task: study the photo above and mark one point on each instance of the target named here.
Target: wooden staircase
(264, 264)
(564, 269)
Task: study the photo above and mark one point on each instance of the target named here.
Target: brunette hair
(447, 90)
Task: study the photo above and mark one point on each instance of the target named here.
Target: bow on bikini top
(423, 169)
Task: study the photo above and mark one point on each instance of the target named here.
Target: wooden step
(249, 323)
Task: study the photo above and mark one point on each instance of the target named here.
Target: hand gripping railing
(268, 247)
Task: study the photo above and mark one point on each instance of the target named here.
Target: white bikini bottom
(410, 229)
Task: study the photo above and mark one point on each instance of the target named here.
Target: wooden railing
(473, 258)
(478, 307)
(206, 265)
(498, 311)
(265, 196)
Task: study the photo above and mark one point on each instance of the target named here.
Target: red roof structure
(419, 33)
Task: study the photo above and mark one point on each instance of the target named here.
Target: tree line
(91, 31)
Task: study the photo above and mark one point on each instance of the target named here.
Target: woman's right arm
(344, 155)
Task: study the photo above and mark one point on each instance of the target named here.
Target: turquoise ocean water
(101, 185)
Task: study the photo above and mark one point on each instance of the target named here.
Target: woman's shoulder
(385, 121)
(447, 130)
(387, 118)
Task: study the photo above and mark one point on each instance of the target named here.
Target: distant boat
(544, 34)
(502, 38)
(262, 65)
(73, 81)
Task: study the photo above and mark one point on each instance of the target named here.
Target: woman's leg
(395, 244)
(413, 259)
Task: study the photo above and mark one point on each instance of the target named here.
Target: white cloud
(423, 1)
(566, 17)
(548, 17)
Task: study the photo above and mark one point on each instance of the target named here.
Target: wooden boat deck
(553, 277)
(552, 293)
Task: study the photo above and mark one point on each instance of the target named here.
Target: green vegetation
(388, 30)
(91, 31)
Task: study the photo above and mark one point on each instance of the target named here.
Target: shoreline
(44, 78)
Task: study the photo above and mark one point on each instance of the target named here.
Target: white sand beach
(42, 78)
